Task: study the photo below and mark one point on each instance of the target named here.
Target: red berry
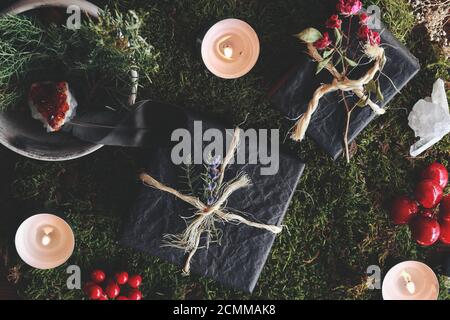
(112, 289)
(135, 294)
(428, 193)
(87, 286)
(403, 209)
(121, 277)
(121, 298)
(444, 208)
(103, 297)
(424, 230)
(135, 281)
(436, 172)
(445, 232)
(98, 276)
(95, 292)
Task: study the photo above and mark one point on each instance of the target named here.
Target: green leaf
(338, 36)
(327, 53)
(350, 62)
(322, 64)
(371, 86)
(309, 35)
(380, 96)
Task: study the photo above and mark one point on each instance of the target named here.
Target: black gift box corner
(292, 93)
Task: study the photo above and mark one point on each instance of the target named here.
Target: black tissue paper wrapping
(238, 259)
(292, 94)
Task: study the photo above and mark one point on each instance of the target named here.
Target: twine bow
(205, 216)
(339, 83)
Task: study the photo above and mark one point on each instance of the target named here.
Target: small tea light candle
(44, 241)
(410, 280)
(230, 48)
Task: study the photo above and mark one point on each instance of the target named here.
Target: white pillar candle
(230, 48)
(410, 280)
(44, 241)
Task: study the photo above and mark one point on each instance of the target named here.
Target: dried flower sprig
(332, 53)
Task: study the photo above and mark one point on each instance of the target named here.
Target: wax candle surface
(410, 280)
(44, 241)
(230, 49)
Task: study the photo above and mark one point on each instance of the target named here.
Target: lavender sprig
(211, 177)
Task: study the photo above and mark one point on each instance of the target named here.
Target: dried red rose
(363, 18)
(349, 7)
(375, 38)
(333, 22)
(368, 35)
(364, 32)
(323, 43)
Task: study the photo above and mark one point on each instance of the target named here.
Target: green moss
(337, 221)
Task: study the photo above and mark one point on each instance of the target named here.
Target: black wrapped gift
(237, 260)
(292, 94)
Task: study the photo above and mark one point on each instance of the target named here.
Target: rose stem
(347, 125)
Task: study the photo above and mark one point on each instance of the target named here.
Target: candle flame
(225, 48)
(46, 238)
(410, 286)
(228, 52)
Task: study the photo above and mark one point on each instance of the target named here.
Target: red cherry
(95, 292)
(429, 213)
(403, 209)
(121, 277)
(121, 298)
(436, 172)
(87, 286)
(135, 294)
(424, 230)
(428, 193)
(98, 276)
(445, 232)
(112, 289)
(444, 208)
(135, 281)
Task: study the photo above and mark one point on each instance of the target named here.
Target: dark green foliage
(97, 58)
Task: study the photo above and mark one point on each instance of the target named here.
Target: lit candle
(230, 48)
(409, 284)
(44, 241)
(410, 280)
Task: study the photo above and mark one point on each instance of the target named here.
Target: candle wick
(46, 238)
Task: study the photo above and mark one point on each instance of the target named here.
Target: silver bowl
(26, 136)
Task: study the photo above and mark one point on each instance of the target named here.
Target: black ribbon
(148, 123)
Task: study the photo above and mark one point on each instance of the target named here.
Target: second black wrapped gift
(335, 78)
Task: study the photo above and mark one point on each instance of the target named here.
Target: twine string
(339, 83)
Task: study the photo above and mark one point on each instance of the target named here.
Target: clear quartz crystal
(430, 119)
